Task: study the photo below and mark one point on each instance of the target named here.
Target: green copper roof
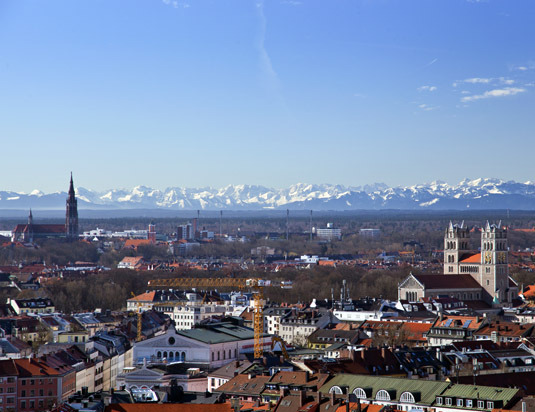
(426, 391)
(490, 393)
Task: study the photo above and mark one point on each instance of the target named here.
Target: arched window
(165, 354)
(171, 355)
(407, 397)
(337, 390)
(159, 355)
(177, 355)
(183, 356)
(360, 393)
(382, 395)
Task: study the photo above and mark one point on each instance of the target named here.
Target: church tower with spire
(71, 214)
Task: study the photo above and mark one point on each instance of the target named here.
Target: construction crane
(139, 318)
(277, 339)
(256, 285)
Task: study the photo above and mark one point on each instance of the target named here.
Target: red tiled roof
(8, 368)
(135, 243)
(40, 229)
(170, 407)
(144, 297)
(472, 259)
(34, 367)
(448, 281)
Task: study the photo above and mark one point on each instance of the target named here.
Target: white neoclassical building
(214, 345)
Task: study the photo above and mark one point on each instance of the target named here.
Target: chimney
(318, 397)
(302, 397)
(524, 409)
(283, 392)
(363, 354)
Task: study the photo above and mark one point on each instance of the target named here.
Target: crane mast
(256, 285)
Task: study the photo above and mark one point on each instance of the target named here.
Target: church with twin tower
(468, 275)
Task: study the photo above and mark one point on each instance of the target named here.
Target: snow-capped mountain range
(472, 194)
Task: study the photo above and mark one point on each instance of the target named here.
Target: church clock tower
(456, 244)
(494, 264)
(71, 214)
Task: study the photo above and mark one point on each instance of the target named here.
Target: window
(481, 404)
(382, 395)
(407, 397)
(360, 393)
(469, 403)
(23, 382)
(336, 389)
(439, 400)
(22, 404)
(448, 401)
(11, 390)
(460, 402)
(490, 405)
(23, 393)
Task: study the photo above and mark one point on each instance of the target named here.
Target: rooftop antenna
(332, 298)
(287, 224)
(310, 228)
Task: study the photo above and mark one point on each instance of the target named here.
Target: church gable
(411, 283)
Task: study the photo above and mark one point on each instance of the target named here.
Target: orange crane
(256, 285)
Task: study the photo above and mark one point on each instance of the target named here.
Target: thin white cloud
(521, 68)
(292, 2)
(426, 107)
(265, 60)
(475, 80)
(431, 62)
(485, 80)
(176, 4)
(427, 88)
(507, 91)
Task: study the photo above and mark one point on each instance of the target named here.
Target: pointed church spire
(30, 217)
(71, 214)
(71, 188)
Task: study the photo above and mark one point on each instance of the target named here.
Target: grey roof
(218, 333)
(7, 347)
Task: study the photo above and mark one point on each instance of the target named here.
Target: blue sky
(215, 92)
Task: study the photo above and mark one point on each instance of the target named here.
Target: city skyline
(202, 93)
